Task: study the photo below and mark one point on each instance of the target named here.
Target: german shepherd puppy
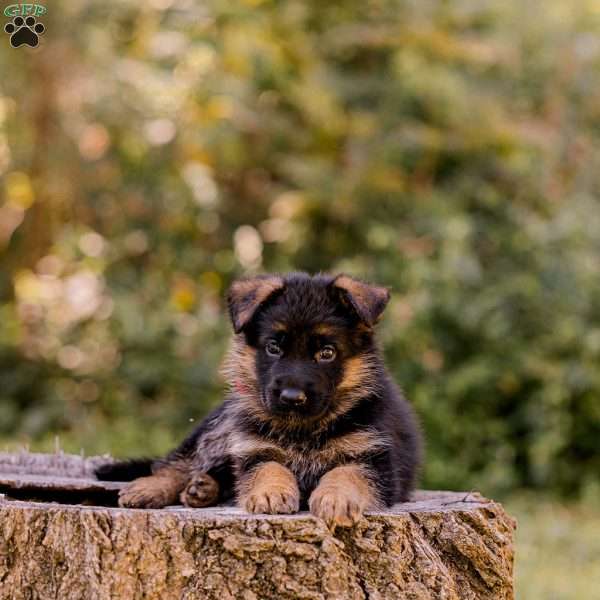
(313, 419)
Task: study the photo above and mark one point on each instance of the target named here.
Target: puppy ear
(246, 295)
(368, 301)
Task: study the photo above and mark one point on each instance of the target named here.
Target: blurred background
(152, 151)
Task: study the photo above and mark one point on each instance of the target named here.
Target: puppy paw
(201, 491)
(271, 488)
(145, 492)
(336, 507)
(274, 500)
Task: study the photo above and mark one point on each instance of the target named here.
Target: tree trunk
(442, 545)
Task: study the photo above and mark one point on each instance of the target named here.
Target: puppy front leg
(268, 487)
(342, 496)
(157, 490)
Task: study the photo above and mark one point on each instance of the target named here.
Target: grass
(557, 549)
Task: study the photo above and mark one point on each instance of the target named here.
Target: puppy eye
(273, 349)
(326, 354)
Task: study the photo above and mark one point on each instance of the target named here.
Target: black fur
(279, 353)
(125, 470)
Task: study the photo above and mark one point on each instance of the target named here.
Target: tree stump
(61, 536)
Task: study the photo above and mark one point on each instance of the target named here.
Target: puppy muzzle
(292, 397)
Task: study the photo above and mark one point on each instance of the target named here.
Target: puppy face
(300, 361)
(310, 338)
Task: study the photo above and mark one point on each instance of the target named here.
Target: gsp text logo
(25, 28)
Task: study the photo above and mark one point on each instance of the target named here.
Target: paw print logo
(24, 31)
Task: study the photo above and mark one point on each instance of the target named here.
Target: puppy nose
(293, 396)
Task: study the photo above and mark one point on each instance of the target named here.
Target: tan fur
(342, 496)
(158, 490)
(354, 444)
(240, 361)
(305, 459)
(368, 300)
(244, 445)
(202, 490)
(240, 364)
(239, 370)
(356, 370)
(360, 291)
(358, 380)
(251, 293)
(324, 329)
(269, 488)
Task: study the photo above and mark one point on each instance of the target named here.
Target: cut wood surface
(61, 477)
(441, 545)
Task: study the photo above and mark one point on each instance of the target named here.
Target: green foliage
(151, 152)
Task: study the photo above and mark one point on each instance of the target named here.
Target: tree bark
(441, 545)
